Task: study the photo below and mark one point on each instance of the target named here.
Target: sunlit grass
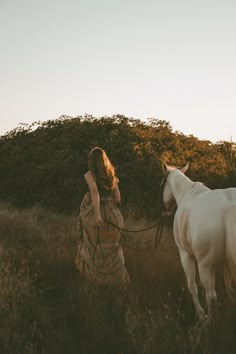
(46, 309)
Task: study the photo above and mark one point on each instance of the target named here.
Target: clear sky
(170, 59)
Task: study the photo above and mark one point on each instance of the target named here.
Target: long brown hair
(102, 168)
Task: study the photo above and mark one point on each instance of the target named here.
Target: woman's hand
(99, 222)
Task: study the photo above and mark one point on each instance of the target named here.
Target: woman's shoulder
(89, 177)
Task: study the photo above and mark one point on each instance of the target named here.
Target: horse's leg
(207, 277)
(190, 272)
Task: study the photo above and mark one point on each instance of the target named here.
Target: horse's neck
(181, 185)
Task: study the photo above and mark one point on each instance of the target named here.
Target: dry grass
(46, 309)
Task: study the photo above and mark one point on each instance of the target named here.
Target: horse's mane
(201, 184)
(199, 187)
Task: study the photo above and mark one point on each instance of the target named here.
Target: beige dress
(99, 257)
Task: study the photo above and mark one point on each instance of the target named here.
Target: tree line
(44, 162)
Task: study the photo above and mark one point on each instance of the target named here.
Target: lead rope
(158, 225)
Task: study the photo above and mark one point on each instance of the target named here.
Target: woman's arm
(116, 194)
(94, 196)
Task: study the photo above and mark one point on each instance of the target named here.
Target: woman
(100, 258)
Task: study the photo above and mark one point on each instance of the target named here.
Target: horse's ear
(164, 166)
(184, 169)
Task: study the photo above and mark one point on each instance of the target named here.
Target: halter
(163, 183)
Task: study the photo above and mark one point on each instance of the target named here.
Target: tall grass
(45, 307)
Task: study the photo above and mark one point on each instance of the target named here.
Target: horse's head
(167, 192)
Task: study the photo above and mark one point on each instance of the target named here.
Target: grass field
(45, 308)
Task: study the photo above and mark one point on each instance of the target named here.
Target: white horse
(204, 231)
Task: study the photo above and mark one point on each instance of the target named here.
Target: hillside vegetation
(44, 163)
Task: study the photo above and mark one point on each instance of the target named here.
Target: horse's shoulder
(181, 227)
(183, 210)
(181, 219)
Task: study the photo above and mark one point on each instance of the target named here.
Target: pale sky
(172, 59)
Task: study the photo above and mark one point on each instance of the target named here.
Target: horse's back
(230, 193)
(210, 205)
